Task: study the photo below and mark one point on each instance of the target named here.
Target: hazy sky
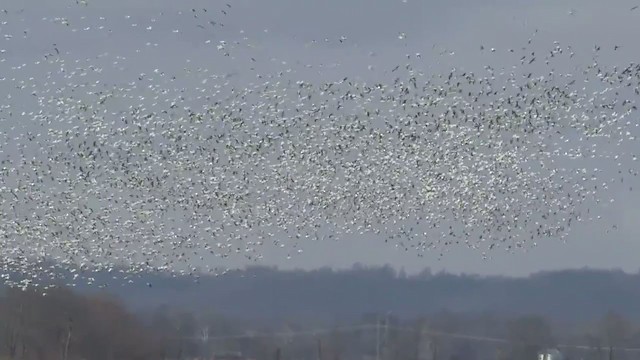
(294, 32)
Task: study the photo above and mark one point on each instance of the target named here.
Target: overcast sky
(289, 34)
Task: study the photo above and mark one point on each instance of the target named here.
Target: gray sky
(295, 34)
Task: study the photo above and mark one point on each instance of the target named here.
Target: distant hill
(267, 293)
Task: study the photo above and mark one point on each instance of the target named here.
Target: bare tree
(614, 331)
(67, 326)
(67, 340)
(528, 335)
(596, 348)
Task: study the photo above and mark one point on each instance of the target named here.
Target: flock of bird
(98, 174)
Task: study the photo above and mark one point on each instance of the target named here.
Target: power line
(343, 329)
(451, 335)
(284, 333)
(502, 340)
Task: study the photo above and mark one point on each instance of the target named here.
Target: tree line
(69, 325)
(570, 295)
(65, 325)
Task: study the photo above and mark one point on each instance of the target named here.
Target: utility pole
(204, 336)
(319, 349)
(386, 336)
(378, 337)
(67, 342)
